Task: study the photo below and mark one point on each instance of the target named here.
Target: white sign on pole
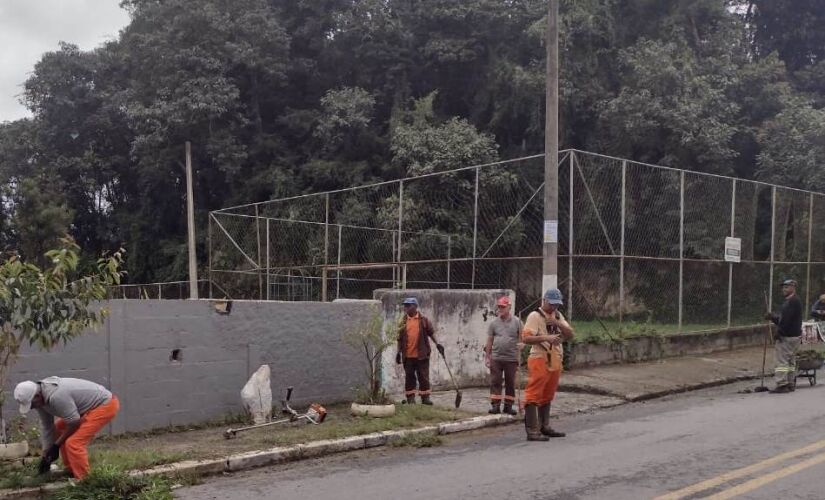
(551, 231)
(733, 249)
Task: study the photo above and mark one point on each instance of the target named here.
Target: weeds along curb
(280, 455)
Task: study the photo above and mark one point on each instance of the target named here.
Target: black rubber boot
(495, 408)
(425, 400)
(508, 409)
(410, 400)
(532, 424)
(544, 415)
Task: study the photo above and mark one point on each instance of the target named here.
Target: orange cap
(503, 301)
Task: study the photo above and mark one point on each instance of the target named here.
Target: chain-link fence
(639, 244)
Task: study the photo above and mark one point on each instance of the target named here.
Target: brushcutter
(315, 414)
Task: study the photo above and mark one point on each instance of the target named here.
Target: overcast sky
(28, 28)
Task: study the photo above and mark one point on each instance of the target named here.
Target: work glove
(52, 454)
(440, 349)
(398, 358)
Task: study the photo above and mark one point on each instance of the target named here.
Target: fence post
(326, 250)
(475, 233)
(570, 241)
(267, 261)
(209, 250)
(773, 238)
(810, 244)
(160, 292)
(400, 225)
(258, 238)
(621, 242)
(449, 254)
(681, 245)
(730, 264)
(338, 270)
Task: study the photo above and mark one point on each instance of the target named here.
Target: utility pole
(190, 224)
(550, 276)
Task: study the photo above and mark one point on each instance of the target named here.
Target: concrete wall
(460, 318)
(131, 354)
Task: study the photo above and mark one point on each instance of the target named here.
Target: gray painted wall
(460, 319)
(131, 354)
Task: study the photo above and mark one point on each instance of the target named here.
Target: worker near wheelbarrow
(71, 411)
(414, 351)
(789, 331)
(501, 351)
(544, 330)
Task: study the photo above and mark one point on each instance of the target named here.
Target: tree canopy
(286, 97)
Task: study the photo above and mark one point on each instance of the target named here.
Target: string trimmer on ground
(315, 414)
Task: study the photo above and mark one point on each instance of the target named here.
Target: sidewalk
(584, 389)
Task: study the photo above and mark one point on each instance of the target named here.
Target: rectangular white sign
(551, 231)
(733, 249)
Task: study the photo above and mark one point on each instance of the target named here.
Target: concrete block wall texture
(214, 355)
(460, 318)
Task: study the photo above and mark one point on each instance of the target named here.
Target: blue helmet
(553, 296)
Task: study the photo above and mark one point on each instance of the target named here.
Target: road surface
(714, 443)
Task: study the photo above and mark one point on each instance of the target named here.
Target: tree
(44, 307)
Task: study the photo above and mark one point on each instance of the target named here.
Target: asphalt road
(714, 443)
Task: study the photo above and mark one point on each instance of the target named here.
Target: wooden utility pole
(550, 277)
(190, 224)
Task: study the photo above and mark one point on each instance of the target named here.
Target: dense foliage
(284, 97)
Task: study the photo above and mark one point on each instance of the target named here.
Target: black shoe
(494, 409)
(410, 400)
(550, 433)
(425, 400)
(508, 409)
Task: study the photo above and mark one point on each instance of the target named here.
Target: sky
(28, 28)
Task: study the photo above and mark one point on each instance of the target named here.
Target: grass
(594, 332)
(15, 476)
(418, 441)
(111, 483)
(110, 456)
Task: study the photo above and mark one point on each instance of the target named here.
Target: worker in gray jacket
(502, 356)
(72, 411)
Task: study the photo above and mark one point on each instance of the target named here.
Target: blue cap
(410, 300)
(553, 296)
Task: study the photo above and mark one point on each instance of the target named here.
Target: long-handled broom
(458, 395)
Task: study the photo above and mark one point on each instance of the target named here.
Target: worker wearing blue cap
(414, 350)
(788, 338)
(544, 331)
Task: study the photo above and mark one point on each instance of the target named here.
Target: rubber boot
(532, 424)
(508, 409)
(544, 415)
(495, 408)
(425, 400)
(410, 400)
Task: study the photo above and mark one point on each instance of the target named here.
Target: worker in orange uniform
(414, 351)
(544, 330)
(72, 411)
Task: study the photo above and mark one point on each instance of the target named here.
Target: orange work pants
(74, 454)
(541, 382)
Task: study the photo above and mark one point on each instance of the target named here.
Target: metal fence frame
(265, 270)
